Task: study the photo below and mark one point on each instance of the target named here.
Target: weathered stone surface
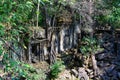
(110, 69)
(101, 56)
(82, 74)
(103, 64)
(118, 74)
(104, 77)
(90, 73)
(107, 61)
(66, 75)
(74, 72)
(38, 32)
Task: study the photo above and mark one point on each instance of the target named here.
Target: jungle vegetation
(18, 16)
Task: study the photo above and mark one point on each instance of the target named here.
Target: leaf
(24, 46)
(2, 32)
(26, 65)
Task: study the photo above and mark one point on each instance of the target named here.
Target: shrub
(56, 68)
(89, 46)
(17, 70)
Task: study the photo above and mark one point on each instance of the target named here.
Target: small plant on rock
(56, 68)
(89, 46)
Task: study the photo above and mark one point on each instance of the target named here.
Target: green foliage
(110, 13)
(15, 11)
(18, 70)
(56, 68)
(2, 32)
(114, 17)
(89, 46)
(1, 48)
(15, 17)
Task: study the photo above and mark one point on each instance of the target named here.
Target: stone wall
(59, 40)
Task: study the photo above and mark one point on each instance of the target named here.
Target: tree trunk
(38, 12)
(29, 52)
(62, 34)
